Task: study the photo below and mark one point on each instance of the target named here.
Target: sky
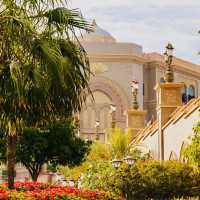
(150, 23)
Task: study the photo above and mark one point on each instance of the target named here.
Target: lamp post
(113, 109)
(97, 125)
(168, 55)
(129, 160)
(117, 162)
(135, 87)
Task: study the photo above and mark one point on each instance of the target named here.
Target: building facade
(165, 139)
(114, 66)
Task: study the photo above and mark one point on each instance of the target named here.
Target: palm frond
(70, 18)
(51, 72)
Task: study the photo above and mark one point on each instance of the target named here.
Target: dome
(98, 35)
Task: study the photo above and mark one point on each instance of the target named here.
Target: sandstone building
(115, 65)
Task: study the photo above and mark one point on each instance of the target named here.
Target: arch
(182, 158)
(106, 92)
(173, 156)
(112, 90)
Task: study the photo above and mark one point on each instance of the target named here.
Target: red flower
(41, 191)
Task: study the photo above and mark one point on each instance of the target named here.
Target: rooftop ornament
(113, 109)
(135, 87)
(168, 56)
(97, 125)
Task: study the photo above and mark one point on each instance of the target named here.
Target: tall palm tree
(44, 71)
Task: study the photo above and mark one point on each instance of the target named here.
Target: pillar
(136, 120)
(169, 97)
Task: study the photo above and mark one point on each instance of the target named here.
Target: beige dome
(99, 35)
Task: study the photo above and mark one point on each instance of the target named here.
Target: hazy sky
(150, 23)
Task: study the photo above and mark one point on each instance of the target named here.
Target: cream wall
(175, 134)
(151, 142)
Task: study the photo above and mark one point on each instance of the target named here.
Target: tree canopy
(44, 70)
(43, 67)
(54, 144)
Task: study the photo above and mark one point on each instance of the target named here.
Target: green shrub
(151, 179)
(99, 176)
(145, 180)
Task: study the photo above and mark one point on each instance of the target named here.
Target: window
(184, 94)
(190, 92)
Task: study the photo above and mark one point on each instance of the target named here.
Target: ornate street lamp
(168, 55)
(135, 87)
(113, 109)
(129, 160)
(116, 163)
(97, 125)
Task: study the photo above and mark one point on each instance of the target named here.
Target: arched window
(190, 92)
(184, 94)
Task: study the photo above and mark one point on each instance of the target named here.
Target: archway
(105, 92)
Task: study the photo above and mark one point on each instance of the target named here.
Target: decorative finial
(169, 46)
(97, 126)
(168, 55)
(135, 87)
(113, 113)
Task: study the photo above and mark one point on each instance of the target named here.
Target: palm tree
(120, 142)
(121, 145)
(44, 71)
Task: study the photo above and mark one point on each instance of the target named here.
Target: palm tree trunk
(11, 155)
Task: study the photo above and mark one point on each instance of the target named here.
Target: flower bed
(40, 191)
